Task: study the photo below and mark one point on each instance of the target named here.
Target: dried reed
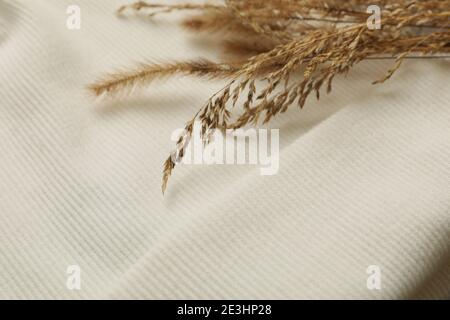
(294, 47)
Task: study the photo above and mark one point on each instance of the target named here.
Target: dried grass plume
(294, 47)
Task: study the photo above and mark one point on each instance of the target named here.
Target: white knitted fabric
(364, 175)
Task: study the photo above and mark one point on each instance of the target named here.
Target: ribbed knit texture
(364, 175)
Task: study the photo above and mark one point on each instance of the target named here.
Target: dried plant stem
(291, 48)
(148, 72)
(163, 8)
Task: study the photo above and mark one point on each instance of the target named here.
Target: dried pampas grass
(294, 47)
